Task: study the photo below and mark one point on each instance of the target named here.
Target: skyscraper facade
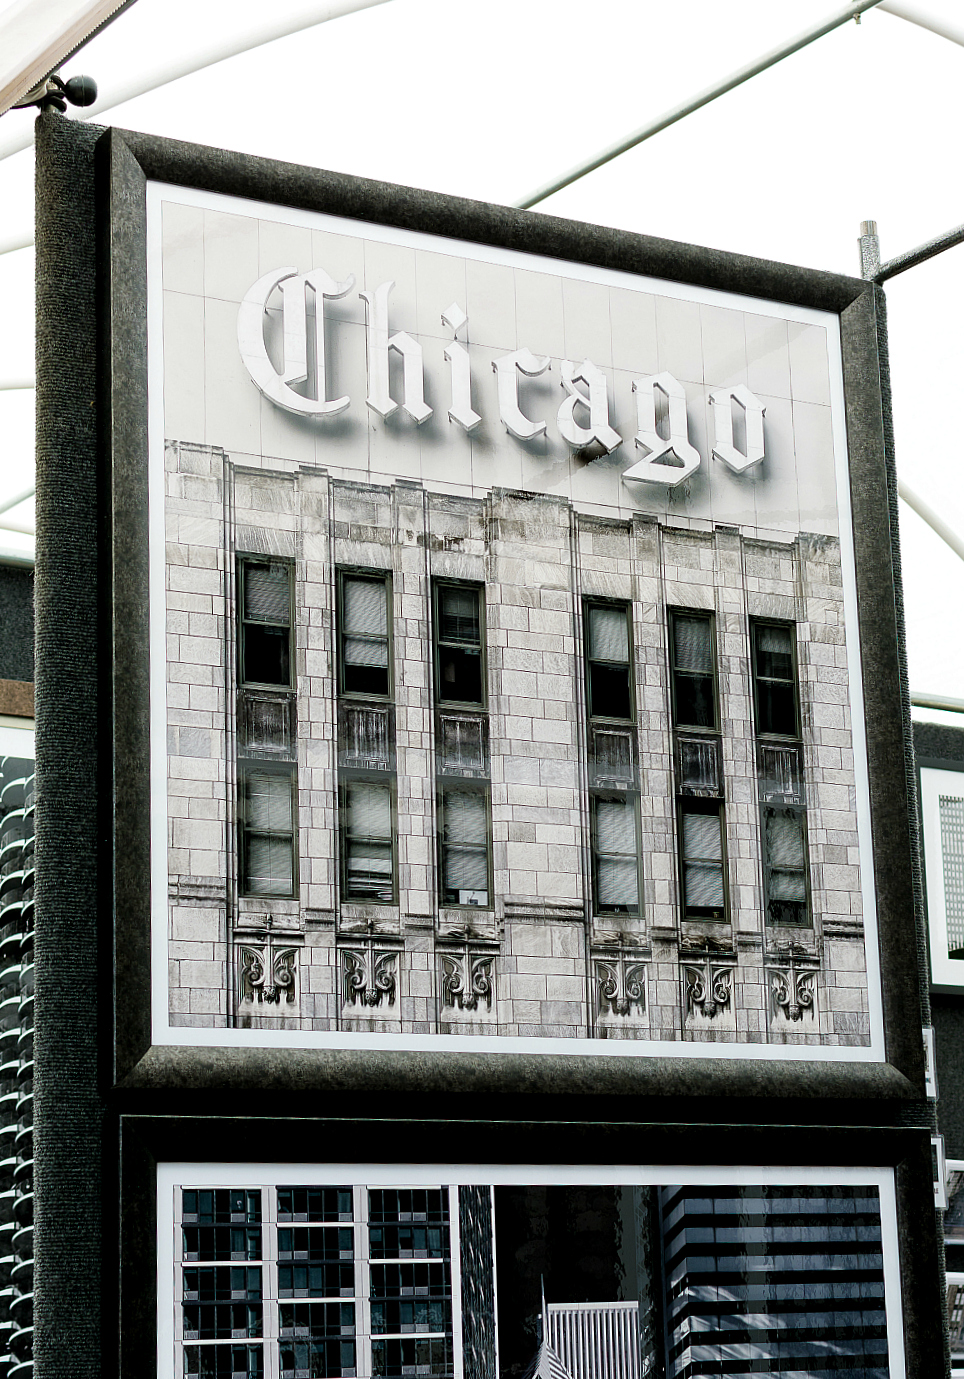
(773, 1280)
(309, 1282)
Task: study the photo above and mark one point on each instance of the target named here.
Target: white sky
(490, 98)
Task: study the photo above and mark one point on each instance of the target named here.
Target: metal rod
(921, 254)
(680, 112)
(915, 14)
(13, 242)
(9, 555)
(255, 38)
(17, 499)
(933, 520)
(936, 701)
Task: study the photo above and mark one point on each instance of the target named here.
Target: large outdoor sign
(506, 671)
(468, 670)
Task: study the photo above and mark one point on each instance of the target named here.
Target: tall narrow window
(693, 671)
(699, 766)
(369, 864)
(701, 846)
(775, 680)
(265, 622)
(785, 863)
(783, 814)
(612, 758)
(364, 614)
(267, 832)
(464, 827)
(615, 855)
(609, 661)
(266, 723)
(462, 745)
(460, 664)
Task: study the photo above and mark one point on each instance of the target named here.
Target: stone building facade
(742, 930)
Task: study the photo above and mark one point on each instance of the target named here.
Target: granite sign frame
(129, 163)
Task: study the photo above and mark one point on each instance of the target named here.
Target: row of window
(367, 795)
(365, 654)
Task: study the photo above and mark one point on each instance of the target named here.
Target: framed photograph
(501, 607)
(469, 1272)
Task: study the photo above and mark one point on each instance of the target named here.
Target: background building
(300, 1282)
(775, 1280)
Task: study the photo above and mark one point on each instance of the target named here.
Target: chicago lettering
(663, 452)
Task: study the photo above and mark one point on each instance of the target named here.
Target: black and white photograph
(561, 1277)
(506, 676)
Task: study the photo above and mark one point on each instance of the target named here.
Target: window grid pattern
(336, 1283)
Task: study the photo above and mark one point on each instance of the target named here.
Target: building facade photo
(485, 717)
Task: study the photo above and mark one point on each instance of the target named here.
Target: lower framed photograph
(454, 1271)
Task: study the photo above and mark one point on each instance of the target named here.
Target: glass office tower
(336, 1282)
(773, 1280)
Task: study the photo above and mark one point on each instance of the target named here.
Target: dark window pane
(775, 680)
(459, 644)
(267, 658)
(777, 708)
(609, 661)
(265, 623)
(223, 1362)
(416, 1278)
(421, 1314)
(408, 1204)
(314, 1204)
(408, 1240)
(216, 1206)
(222, 1242)
(366, 679)
(609, 691)
(694, 701)
(395, 1359)
(460, 675)
(221, 1321)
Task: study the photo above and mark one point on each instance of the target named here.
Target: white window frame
(934, 783)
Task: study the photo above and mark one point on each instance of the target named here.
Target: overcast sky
(489, 100)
